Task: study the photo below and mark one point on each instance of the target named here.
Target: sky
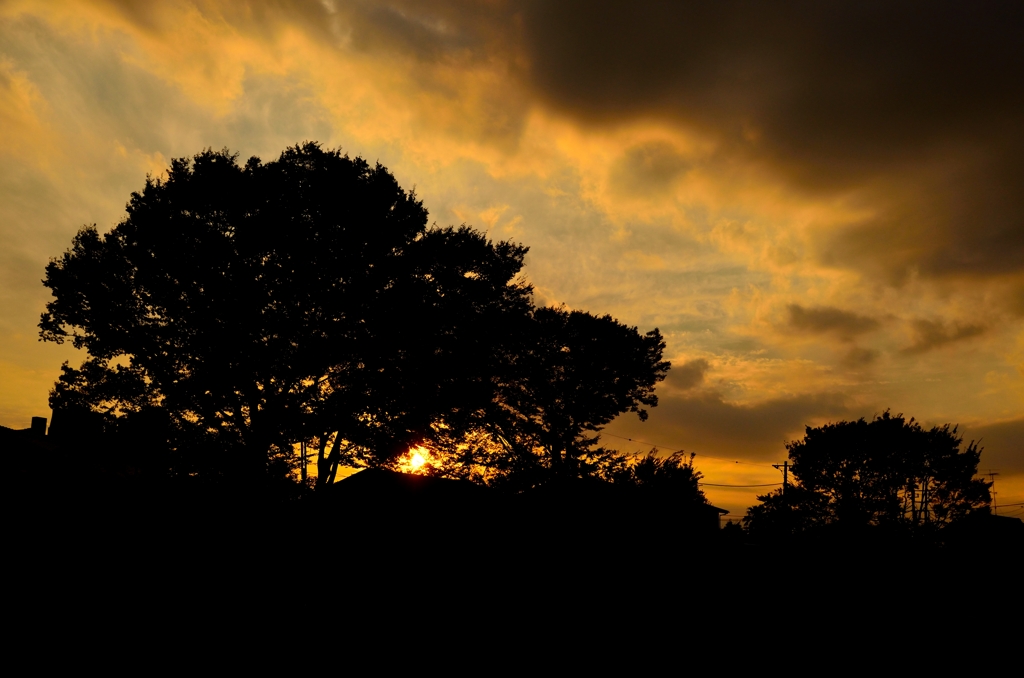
(820, 205)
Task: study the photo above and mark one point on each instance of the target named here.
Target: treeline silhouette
(241, 309)
(240, 312)
(887, 480)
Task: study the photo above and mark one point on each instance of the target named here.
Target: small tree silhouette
(672, 478)
(889, 473)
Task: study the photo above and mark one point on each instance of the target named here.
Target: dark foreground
(132, 578)
(480, 547)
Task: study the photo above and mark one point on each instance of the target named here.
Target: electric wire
(721, 485)
(699, 454)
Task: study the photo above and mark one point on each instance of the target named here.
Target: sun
(414, 460)
(417, 460)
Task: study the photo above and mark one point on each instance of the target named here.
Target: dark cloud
(1016, 300)
(439, 40)
(839, 84)
(820, 319)
(858, 357)
(929, 334)
(1002, 443)
(688, 375)
(833, 95)
(912, 106)
(648, 169)
(961, 217)
(706, 423)
(1003, 446)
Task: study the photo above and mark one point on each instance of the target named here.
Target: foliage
(564, 375)
(888, 473)
(305, 299)
(580, 371)
(263, 304)
(672, 477)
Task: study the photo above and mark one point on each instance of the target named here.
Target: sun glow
(414, 460)
(417, 460)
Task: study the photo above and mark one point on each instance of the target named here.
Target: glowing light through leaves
(415, 460)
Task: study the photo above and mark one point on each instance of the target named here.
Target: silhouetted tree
(581, 371)
(672, 478)
(889, 473)
(563, 376)
(261, 304)
(434, 361)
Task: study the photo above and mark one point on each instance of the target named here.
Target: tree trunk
(327, 468)
(322, 467)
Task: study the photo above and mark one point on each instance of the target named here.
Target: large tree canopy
(889, 473)
(266, 303)
(249, 307)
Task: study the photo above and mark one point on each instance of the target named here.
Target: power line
(785, 474)
(720, 485)
(671, 447)
(992, 486)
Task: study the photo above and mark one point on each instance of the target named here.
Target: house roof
(24, 439)
(383, 482)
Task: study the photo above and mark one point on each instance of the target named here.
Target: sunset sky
(820, 205)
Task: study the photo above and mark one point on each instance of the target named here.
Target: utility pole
(784, 467)
(992, 476)
(302, 462)
(925, 500)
